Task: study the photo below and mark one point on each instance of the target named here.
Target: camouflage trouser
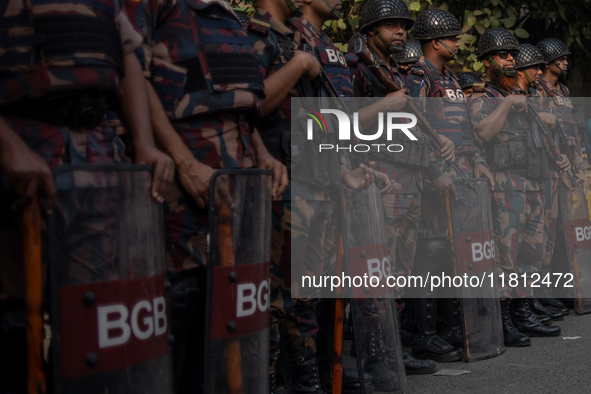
(56, 145)
(186, 230)
(402, 213)
(550, 219)
(298, 226)
(518, 221)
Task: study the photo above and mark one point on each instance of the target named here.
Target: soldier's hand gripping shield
(474, 250)
(572, 254)
(109, 309)
(373, 304)
(237, 328)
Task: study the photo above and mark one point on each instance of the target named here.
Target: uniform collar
(274, 22)
(423, 60)
(312, 31)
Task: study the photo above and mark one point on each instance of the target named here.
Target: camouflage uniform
(402, 206)
(447, 112)
(36, 66)
(518, 203)
(557, 101)
(300, 216)
(200, 63)
(204, 71)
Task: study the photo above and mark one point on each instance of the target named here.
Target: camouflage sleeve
(266, 50)
(434, 171)
(418, 86)
(579, 161)
(130, 39)
(480, 107)
(143, 16)
(361, 83)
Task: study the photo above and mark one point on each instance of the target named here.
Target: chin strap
(562, 72)
(507, 73)
(452, 53)
(391, 48)
(297, 12)
(335, 15)
(531, 83)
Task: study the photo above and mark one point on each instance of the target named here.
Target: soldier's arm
(135, 112)
(265, 160)
(28, 175)
(279, 83)
(491, 124)
(193, 175)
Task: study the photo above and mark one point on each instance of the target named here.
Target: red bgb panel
(476, 252)
(371, 261)
(240, 300)
(112, 325)
(578, 234)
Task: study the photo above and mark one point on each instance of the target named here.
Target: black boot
(527, 322)
(383, 377)
(426, 344)
(546, 299)
(540, 310)
(418, 367)
(277, 385)
(305, 378)
(450, 322)
(512, 337)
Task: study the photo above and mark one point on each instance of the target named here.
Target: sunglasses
(503, 55)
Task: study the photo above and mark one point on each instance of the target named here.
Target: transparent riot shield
(475, 260)
(574, 250)
(109, 309)
(373, 307)
(237, 327)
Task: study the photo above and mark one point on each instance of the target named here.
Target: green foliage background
(529, 20)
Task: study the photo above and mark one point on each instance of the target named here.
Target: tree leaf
(497, 13)
(478, 65)
(414, 6)
(480, 27)
(341, 24)
(494, 2)
(552, 15)
(471, 21)
(477, 12)
(521, 33)
(444, 6)
(488, 11)
(353, 21)
(509, 22)
(345, 48)
(494, 22)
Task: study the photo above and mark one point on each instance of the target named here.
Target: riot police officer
(410, 54)
(55, 94)
(447, 111)
(518, 200)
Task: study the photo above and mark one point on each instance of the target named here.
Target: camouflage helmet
(243, 18)
(528, 55)
(436, 23)
(496, 39)
(377, 10)
(411, 52)
(354, 38)
(466, 80)
(552, 49)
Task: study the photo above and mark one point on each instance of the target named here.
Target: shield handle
(31, 218)
(226, 248)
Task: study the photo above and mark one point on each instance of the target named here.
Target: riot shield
(574, 249)
(373, 308)
(237, 326)
(474, 251)
(109, 309)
